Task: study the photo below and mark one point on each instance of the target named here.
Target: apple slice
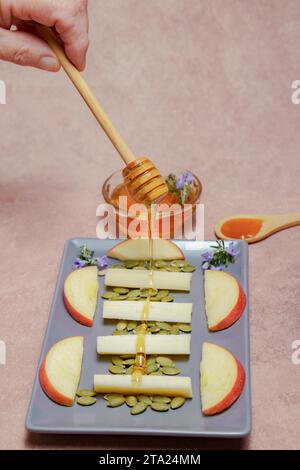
(149, 385)
(179, 312)
(139, 249)
(80, 294)
(141, 279)
(222, 378)
(154, 344)
(60, 370)
(224, 299)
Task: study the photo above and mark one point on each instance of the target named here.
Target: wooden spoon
(144, 182)
(253, 227)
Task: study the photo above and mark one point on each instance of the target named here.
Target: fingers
(68, 17)
(23, 48)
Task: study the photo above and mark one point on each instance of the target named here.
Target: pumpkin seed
(144, 399)
(163, 325)
(173, 269)
(185, 328)
(155, 299)
(152, 368)
(117, 361)
(111, 396)
(121, 290)
(145, 292)
(109, 295)
(116, 401)
(134, 293)
(189, 269)
(156, 373)
(160, 263)
(121, 325)
(129, 264)
(131, 325)
(118, 333)
(157, 406)
(127, 356)
(164, 361)
(151, 360)
(116, 370)
(164, 332)
(154, 329)
(177, 402)
(85, 393)
(151, 323)
(133, 298)
(130, 370)
(120, 297)
(139, 268)
(139, 408)
(161, 399)
(128, 362)
(162, 293)
(170, 370)
(131, 400)
(167, 299)
(179, 263)
(174, 330)
(86, 400)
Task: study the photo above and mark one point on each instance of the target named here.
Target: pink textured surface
(205, 82)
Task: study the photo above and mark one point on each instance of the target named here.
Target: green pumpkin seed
(133, 298)
(139, 408)
(145, 292)
(120, 297)
(174, 330)
(179, 263)
(144, 399)
(154, 329)
(128, 362)
(163, 325)
(157, 406)
(134, 293)
(116, 370)
(121, 325)
(152, 368)
(177, 402)
(170, 370)
(167, 299)
(151, 323)
(117, 361)
(173, 269)
(127, 356)
(162, 293)
(185, 327)
(161, 399)
(115, 402)
(164, 361)
(86, 400)
(121, 290)
(156, 373)
(118, 333)
(129, 264)
(131, 325)
(130, 370)
(189, 269)
(131, 400)
(139, 268)
(111, 396)
(85, 393)
(160, 263)
(109, 295)
(151, 360)
(164, 332)
(155, 299)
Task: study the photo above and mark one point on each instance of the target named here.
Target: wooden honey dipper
(143, 181)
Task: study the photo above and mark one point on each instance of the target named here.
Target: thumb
(23, 48)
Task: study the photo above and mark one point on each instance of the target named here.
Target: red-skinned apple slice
(80, 294)
(60, 370)
(222, 379)
(139, 250)
(224, 299)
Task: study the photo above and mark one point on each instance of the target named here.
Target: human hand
(69, 18)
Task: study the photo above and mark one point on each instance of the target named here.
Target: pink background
(207, 83)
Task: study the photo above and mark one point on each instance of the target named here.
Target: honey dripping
(140, 358)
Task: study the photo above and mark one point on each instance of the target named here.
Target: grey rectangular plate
(44, 416)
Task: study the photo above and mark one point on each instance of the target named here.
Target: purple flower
(216, 268)
(232, 250)
(79, 263)
(180, 182)
(102, 262)
(207, 256)
(184, 179)
(205, 266)
(188, 177)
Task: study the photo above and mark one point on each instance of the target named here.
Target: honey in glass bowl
(114, 187)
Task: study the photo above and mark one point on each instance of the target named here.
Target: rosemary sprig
(220, 256)
(181, 186)
(87, 258)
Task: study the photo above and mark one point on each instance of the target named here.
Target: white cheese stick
(149, 385)
(179, 312)
(154, 344)
(140, 278)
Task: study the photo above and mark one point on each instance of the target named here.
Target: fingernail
(49, 63)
